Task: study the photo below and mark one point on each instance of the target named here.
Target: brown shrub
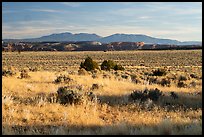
(24, 74)
(165, 82)
(181, 84)
(95, 86)
(63, 79)
(182, 78)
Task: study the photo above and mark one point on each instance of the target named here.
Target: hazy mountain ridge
(69, 37)
(137, 38)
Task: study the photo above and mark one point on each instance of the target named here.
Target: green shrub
(118, 67)
(89, 64)
(159, 72)
(107, 65)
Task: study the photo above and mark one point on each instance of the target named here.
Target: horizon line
(101, 36)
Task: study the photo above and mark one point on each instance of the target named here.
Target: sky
(173, 20)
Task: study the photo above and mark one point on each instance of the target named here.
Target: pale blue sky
(175, 20)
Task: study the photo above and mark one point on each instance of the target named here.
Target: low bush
(152, 94)
(94, 76)
(63, 79)
(95, 86)
(66, 95)
(24, 74)
(193, 84)
(125, 76)
(182, 78)
(7, 73)
(69, 96)
(118, 67)
(91, 96)
(109, 64)
(174, 95)
(134, 78)
(193, 76)
(89, 64)
(159, 72)
(137, 95)
(152, 80)
(34, 69)
(165, 82)
(181, 84)
(171, 76)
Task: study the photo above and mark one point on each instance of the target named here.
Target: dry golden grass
(27, 108)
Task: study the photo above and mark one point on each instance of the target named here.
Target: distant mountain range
(69, 37)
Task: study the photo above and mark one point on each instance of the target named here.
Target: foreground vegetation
(158, 92)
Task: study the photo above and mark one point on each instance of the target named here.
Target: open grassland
(30, 105)
(65, 60)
